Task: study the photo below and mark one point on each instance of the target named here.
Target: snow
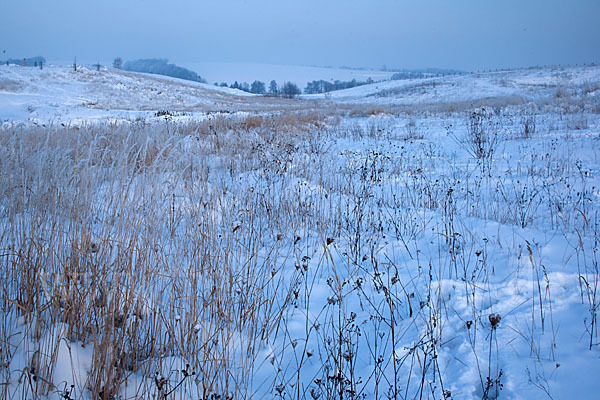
(249, 253)
(61, 94)
(525, 84)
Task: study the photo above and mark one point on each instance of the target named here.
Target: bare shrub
(561, 93)
(412, 131)
(528, 126)
(481, 139)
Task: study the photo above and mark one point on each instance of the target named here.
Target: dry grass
(126, 236)
(185, 258)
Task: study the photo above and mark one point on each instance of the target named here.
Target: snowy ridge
(530, 84)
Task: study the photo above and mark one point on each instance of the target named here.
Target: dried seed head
(494, 320)
(347, 356)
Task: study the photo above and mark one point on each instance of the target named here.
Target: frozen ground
(400, 240)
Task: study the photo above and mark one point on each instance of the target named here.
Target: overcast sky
(468, 35)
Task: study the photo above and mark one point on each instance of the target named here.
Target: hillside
(527, 85)
(61, 93)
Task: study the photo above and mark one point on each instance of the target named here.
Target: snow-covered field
(421, 239)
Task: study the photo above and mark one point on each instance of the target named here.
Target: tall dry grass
(254, 255)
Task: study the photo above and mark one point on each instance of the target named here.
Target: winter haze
(466, 35)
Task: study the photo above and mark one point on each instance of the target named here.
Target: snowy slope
(60, 92)
(527, 84)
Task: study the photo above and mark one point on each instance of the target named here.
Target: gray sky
(468, 35)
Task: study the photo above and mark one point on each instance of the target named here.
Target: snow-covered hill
(59, 93)
(528, 84)
(63, 94)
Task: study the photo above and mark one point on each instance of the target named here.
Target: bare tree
(290, 90)
(273, 89)
(258, 87)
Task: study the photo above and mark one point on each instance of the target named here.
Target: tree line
(158, 66)
(322, 86)
(290, 90)
(287, 90)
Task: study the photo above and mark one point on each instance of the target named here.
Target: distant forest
(323, 86)
(161, 66)
(290, 89)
